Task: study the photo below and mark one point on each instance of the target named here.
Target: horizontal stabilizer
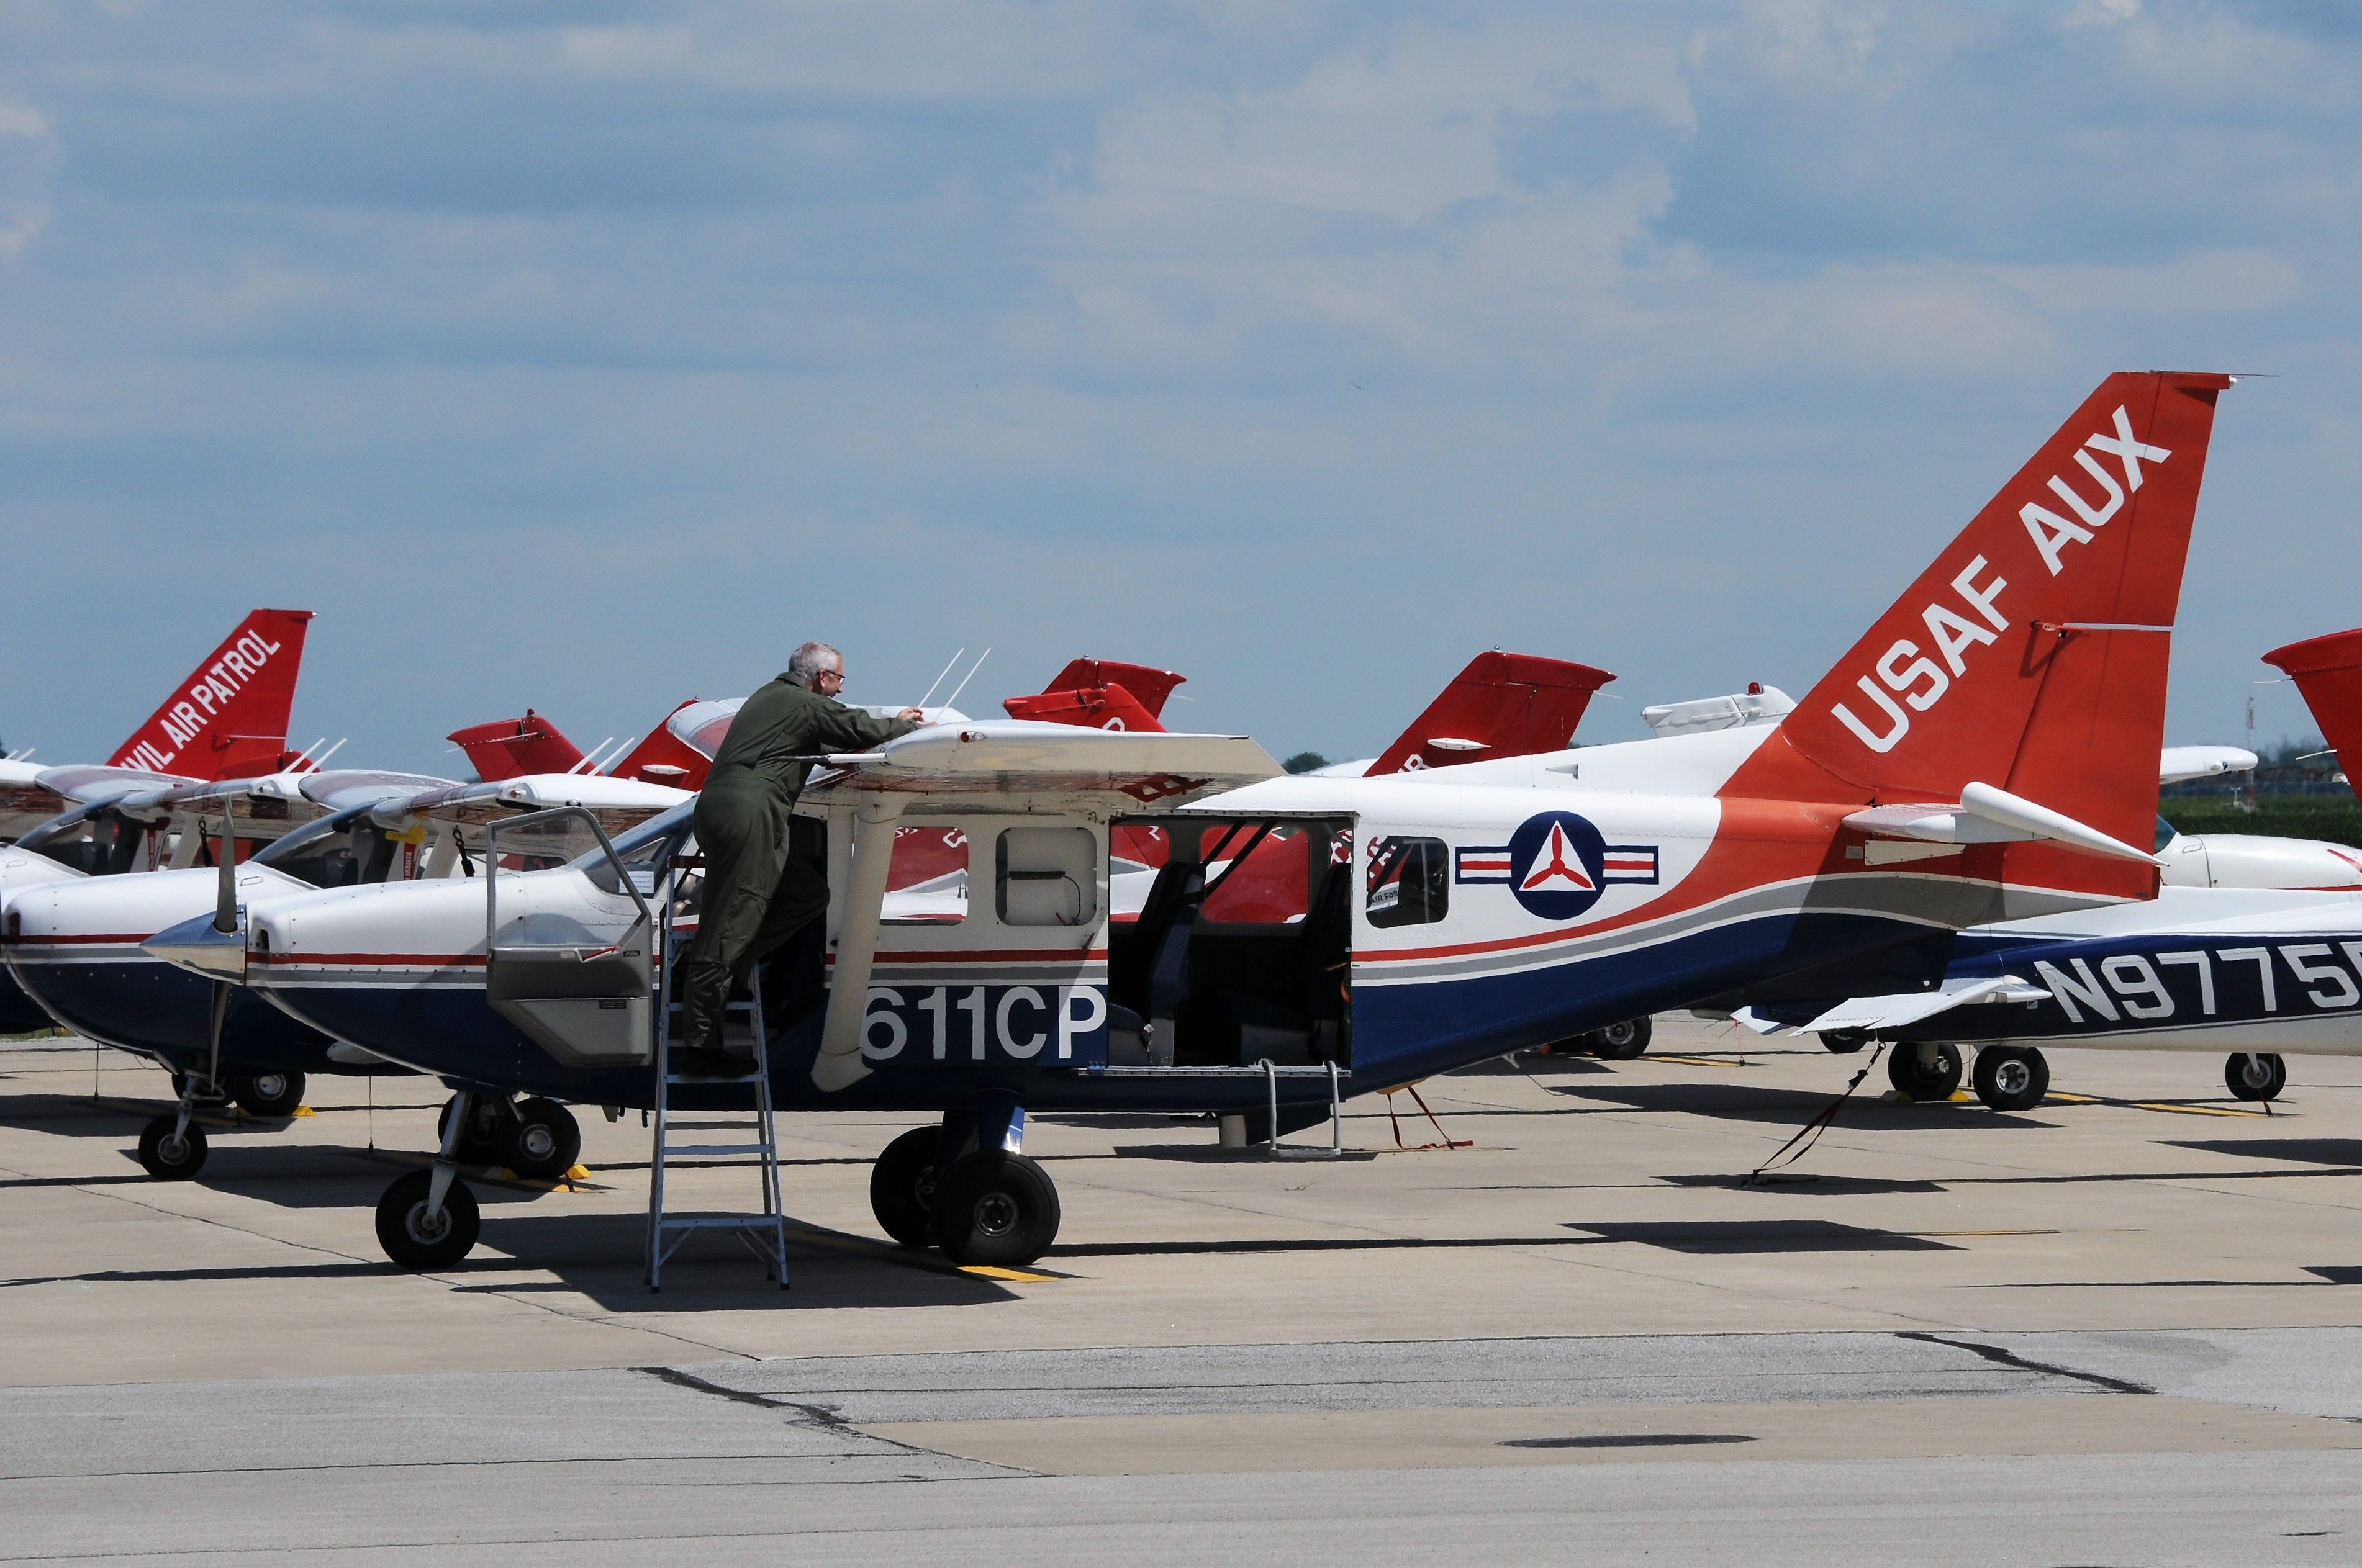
(1886, 1012)
(2177, 764)
(1756, 705)
(1989, 816)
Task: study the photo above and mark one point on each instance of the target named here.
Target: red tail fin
(1095, 707)
(1100, 694)
(1502, 705)
(2328, 670)
(229, 719)
(662, 756)
(2032, 656)
(1149, 687)
(510, 748)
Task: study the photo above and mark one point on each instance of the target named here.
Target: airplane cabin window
(926, 883)
(1046, 876)
(1409, 882)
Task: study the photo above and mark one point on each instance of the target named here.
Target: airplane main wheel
(269, 1093)
(480, 1141)
(1844, 1042)
(2011, 1078)
(1621, 1042)
(902, 1187)
(2256, 1075)
(170, 1153)
(996, 1208)
(541, 1140)
(1924, 1072)
(421, 1242)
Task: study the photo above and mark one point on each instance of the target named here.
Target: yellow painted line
(2062, 1099)
(1692, 1062)
(2193, 1109)
(1018, 1275)
(1936, 1234)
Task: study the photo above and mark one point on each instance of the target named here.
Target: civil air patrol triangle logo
(1556, 865)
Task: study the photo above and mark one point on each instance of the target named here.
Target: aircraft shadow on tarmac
(601, 1256)
(2303, 1151)
(1789, 1107)
(1727, 1236)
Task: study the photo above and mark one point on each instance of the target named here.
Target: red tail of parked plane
(2027, 664)
(2328, 670)
(1502, 705)
(512, 748)
(228, 718)
(1100, 694)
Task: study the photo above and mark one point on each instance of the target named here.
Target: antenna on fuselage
(953, 701)
(939, 679)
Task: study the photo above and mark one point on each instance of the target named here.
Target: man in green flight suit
(758, 890)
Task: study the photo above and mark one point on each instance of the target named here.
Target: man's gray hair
(806, 662)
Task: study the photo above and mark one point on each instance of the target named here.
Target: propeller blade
(225, 896)
(221, 1012)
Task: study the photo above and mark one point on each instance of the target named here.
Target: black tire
(269, 1093)
(1919, 1081)
(902, 1187)
(2255, 1074)
(541, 1140)
(412, 1243)
(996, 1208)
(480, 1142)
(2011, 1078)
(170, 1155)
(1622, 1042)
(1844, 1042)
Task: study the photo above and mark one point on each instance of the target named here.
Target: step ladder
(765, 1234)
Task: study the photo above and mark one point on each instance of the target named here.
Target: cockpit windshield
(342, 851)
(641, 849)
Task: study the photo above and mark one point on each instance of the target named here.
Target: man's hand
(915, 715)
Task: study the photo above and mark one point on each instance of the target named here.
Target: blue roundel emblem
(1557, 865)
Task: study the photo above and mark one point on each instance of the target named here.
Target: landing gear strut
(1924, 1072)
(2256, 1075)
(427, 1219)
(2011, 1078)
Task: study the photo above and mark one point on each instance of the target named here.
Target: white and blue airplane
(1985, 752)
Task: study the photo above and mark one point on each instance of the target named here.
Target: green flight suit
(758, 891)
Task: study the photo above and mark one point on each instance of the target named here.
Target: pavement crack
(2002, 1356)
(825, 1417)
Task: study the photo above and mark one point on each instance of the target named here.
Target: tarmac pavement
(2118, 1329)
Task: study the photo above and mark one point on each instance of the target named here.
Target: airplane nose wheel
(902, 1187)
(420, 1235)
(1924, 1072)
(2011, 1078)
(996, 1208)
(2256, 1075)
(169, 1152)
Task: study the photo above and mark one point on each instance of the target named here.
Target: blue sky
(590, 355)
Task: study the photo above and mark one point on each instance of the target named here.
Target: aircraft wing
(1013, 757)
(617, 803)
(96, 783)
(341, 789)
(1886, 1013)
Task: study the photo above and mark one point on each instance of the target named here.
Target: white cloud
(22, 120)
